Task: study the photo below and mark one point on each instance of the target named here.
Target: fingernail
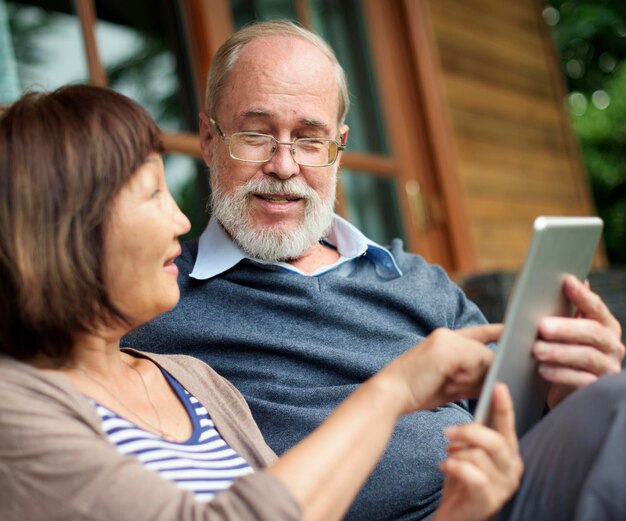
(544, 370)
(541, 349)
(548, 325)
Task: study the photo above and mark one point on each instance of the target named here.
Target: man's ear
(343, 133)
(206, 137)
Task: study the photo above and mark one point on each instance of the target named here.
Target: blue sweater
(296, 346)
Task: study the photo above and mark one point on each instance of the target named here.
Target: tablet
(559, 245)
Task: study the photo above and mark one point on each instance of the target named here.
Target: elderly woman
(88, 235)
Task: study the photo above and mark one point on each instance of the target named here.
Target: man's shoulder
(413, 263)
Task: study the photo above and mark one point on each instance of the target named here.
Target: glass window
(142, 50)
(186, 178)
(48, 46)
(144, 58)
(377, 209)
(9, 81)
(245, 11)
(341, 24)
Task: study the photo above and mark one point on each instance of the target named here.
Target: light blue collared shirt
(218, 253)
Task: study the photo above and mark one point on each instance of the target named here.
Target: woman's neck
(98, 352)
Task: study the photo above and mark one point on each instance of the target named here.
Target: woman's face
(141, 242)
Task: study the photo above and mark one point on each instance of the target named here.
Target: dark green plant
(591, 38)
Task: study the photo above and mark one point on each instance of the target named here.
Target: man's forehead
(280, 44)
(281, 78)
(283, 56)
(266, 115)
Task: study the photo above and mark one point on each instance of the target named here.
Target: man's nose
(282, 164)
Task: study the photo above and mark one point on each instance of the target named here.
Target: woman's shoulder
(36, 403)
(225, 404)
(197, 377)
(177, 363)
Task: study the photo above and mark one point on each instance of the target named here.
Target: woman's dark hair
(64, 156)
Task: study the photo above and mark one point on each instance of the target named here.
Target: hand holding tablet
(560, 245)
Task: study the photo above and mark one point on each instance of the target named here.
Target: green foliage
(602, 135)
(591, 38)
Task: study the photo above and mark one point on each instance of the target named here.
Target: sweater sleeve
(56, 464)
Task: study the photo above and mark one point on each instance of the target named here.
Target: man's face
(284, 87)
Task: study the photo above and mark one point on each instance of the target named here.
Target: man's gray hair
(229, 52)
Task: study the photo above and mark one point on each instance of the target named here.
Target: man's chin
(275, 226)
(275, 244)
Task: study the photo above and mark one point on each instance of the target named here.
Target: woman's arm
(326, 470)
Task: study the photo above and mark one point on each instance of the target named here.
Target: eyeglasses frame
(341, 145)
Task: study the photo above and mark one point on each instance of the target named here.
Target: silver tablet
(559, 245)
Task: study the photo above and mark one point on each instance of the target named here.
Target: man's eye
(312, 144)
(253, 140)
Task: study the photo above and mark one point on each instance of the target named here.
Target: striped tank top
(204, 464)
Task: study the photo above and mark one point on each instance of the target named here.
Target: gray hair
(227, 55)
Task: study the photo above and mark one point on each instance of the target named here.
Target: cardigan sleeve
(56, 464)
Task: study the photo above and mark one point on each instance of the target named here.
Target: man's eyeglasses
(252, 147)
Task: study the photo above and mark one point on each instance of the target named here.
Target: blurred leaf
(593, 32)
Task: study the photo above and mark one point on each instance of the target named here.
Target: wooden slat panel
(471, 93)
(514, 12)
(489, 42)
(499, 212)
(510, 155)
(516, 155)
(499, 129)
(499, 21)
(498, 183)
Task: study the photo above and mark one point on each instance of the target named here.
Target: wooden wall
(517, 157)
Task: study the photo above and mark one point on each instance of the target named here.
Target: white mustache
(272, 186)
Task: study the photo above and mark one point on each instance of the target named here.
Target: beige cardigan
(57, 464)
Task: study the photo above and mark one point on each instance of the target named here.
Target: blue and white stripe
(204, 464)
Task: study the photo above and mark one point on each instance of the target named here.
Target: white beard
(272, 243)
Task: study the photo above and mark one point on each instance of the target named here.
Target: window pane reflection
(372, 205)
(182, 174)
(141, 61)
(341, 24)
(245, 11)
(48, 46)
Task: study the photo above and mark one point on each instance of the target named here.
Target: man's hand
(574, 352)
(484, 467)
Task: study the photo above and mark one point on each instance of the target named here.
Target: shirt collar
(217, 252)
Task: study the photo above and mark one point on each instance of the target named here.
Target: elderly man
(293, 304)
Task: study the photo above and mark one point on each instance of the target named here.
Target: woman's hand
(484, 467)
(446, 367)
